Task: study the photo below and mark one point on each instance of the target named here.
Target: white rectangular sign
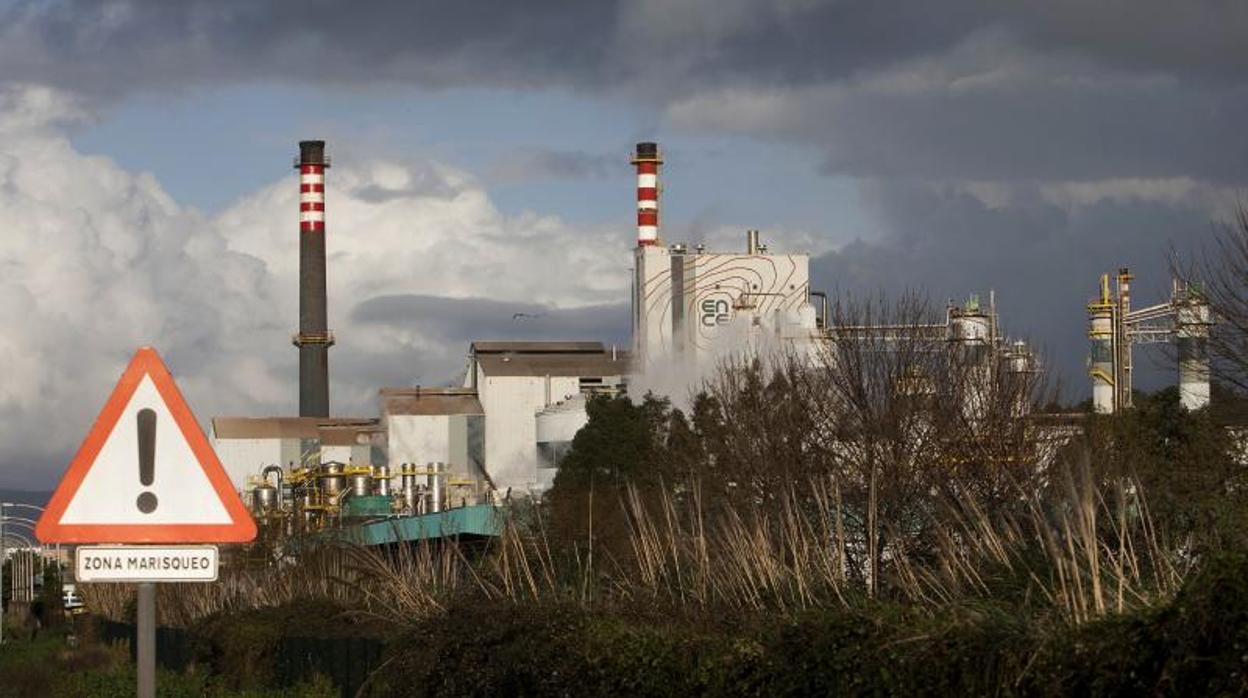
(146, 563)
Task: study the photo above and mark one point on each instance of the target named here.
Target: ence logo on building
(714, 312)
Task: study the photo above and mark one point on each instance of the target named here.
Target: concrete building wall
(652, 290)
(418, 439)
(243, 458)
(293, 450)
(457, 440)
(510, 404)
(466, 445)
(687, 302)
(352, 455)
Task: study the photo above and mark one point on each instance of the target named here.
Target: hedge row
(1195, 645)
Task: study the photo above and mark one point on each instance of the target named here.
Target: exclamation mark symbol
(147, 458)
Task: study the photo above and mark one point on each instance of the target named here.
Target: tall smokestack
(647, 160)
(314, 338)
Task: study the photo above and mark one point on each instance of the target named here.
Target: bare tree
(1222, 272)
(890, 415)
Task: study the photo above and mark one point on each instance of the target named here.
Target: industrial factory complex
(447, 454)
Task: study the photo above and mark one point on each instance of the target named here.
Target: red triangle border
(146, 362)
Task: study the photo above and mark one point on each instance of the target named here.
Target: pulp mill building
(498, 435)
(502, 433)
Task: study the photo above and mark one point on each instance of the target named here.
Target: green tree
(621, 445)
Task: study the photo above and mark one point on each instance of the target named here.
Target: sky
(480, 170)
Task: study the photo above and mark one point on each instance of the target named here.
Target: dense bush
(1196, 645)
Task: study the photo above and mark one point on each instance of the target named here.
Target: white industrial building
(515, 381)
(691, 306)
(247, 445)
(485, 434)
(435, 425)
(522, 402)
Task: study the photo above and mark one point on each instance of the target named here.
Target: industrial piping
(647, 160)
(314, 338)
(1114, 327)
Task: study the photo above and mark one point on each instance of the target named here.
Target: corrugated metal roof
(534, 347)
(430, 401)
(587, 365)
(282, 427)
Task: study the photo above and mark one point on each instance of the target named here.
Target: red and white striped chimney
(314, 338)
(647, 160)
(311, 196)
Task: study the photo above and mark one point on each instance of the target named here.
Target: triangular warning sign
(145, 473)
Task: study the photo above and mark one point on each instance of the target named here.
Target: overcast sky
(480, 171)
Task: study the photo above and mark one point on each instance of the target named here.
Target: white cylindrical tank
(969, 328)
(1019, 360)
(435, 475)
(1192, 321)
(381, 480)
(559, 422)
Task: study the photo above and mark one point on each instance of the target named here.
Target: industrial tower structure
(314, 338)
(1114, 328)
(690, 306)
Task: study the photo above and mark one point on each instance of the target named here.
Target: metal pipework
(331, 479)
(281, 475)
(361, 484)
(314, 337)
(1114, 328)
(751, 242)
(1101, 362)
(407, 483)
(381, 480)
(435, 470)
(1123, 378)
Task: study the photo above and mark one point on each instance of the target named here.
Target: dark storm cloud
(105, 46)
(536, 163)
(121, 45)
(1043, 261)
(1199, 39)
(907, 96)
(468, 319)
(448, 325)
(139, 43)
(1110, 88)
(1051, 132)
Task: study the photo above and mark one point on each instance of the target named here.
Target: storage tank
(1192, 323)
(331, 479)
(361, 484)
(381, 480)
(1101, 354)
(263, 498)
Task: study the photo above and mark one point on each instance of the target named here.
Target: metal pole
(1, 573)
(146, 653)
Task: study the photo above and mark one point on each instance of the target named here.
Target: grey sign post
(146, 653)
(1, 573)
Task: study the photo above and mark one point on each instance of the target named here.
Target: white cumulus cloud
(96, 260)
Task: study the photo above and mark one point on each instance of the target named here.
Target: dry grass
(1083, 550)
